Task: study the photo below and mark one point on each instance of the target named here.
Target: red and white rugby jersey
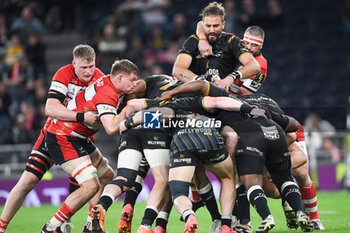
(254, 83)
(101, 96)
(67, 83)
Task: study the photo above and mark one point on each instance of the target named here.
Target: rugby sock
(197, 201)
(291, 194)
(62, 215)
(3, 225)
(133, 193)
(309, 197)
(106, 201)
(187, 214)
(243, 203)
(226, 219)
(162, 219)
(73, 184)
(235, 211)
(207, 194)
(89, 219)
(257, 199)
(149, 216)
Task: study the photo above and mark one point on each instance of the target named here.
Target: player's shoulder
(64, 74)
(229, 37)
(104, 86)
(192, 40)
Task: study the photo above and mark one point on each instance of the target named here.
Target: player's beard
(212, 40)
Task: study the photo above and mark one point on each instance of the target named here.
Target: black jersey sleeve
(281, 119)
(237, 47)
(189, 46)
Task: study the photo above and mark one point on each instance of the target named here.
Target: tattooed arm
(181, 68)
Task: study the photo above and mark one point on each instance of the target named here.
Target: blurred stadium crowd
(306, 46)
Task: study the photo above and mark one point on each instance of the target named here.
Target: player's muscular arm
(181, 68)
(134, 105)
(250, 65)
(111, 122)
(55, 109)
(204, 47)
(250, 68)
(230, 104)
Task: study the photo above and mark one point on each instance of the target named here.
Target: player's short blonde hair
(123, 66)
(84, 52)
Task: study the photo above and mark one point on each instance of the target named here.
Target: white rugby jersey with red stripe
(101, 97)
(67, 83)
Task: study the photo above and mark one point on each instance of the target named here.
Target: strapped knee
(101, 164)
(37, 164)
(178, 188)
(85, 171)
(129, 176)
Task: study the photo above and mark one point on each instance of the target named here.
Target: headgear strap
(253, 39)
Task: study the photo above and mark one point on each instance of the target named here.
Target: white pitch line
(327, 212)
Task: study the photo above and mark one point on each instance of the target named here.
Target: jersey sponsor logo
(74, 89)
(260, 195)
(183, 160)
(158, 143)
(254, 149)
(286, 154)
(218, 157)
(59, 87)
(151, 120)
(254, 84)
(219, 54)
(81, 150)
(123, 144)
(106, 108)
(270, 132)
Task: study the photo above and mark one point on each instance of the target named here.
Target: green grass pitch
(333, 210)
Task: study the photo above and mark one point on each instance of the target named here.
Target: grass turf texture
(333, 210)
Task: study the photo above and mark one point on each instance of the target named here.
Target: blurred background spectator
(305, 45)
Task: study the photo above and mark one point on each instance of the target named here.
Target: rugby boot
(215, 227)
(98, 218)
(226, 229)
(66, 227)
(44, 230)
(317, 224)
(290, 216)
(266, 225)
(244, 228)
(303, 222)
(191, 224)
(144, 229)
(124, 225)
(160, 229)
